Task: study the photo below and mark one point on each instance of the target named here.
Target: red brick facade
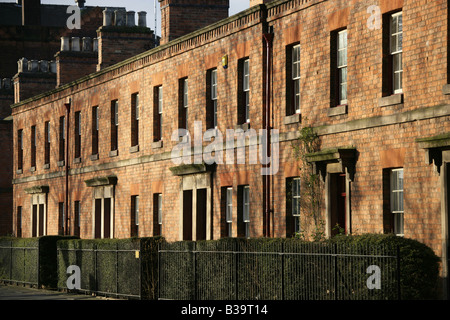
(363, 139)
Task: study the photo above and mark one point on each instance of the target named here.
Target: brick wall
(384, 136)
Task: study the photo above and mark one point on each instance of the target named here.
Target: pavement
(19, 292)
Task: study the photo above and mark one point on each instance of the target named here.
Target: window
(338, 81)
(95, 130)
(157, 214)
(47, 143)
(229, 211)
(244, 91)
(211, 96)
(397, 200)
(77, 134)
(77, 216)
(114, 125)
(342, 66)
(396, 47)
(20, 149)
(19, 222)
(158, 114)
(135, 119)
(244, 211)
(135, 216)
(61, 219)
(33, 147)
(293, 75)
(183, 104)
(293, 206)
(62, 138)
(392, 53)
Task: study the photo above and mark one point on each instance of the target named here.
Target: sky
(141, 5)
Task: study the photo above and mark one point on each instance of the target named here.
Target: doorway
(338, 203)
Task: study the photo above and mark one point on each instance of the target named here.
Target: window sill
(157, 144)
(33, 169)
(244, 126)
(46, 166)
(295, 118)
(338, 110)
(391, 100)
(94, 157)
(113, 153)
(134, 149)
(77, 160)
(446, 89)
(61, 163)
(19, 171)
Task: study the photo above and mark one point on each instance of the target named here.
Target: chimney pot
(107, 17)
(53, 66)
(131, 19)
(6, 83)
(120, 17)
(33, 66)
(65, 44)
(75, 44)
(87, 44)
(22, 65)
(43, 65)
(95, 45)
(142, 19)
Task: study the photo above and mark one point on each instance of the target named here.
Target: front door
(338, 202)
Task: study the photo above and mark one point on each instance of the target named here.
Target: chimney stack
(180, 17)
(31, 12)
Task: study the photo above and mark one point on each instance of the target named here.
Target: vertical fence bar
(194, 258)
(398, 274)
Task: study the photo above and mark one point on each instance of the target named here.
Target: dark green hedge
(419, 265)
(112, 266)
(21, 263)
(332, 269)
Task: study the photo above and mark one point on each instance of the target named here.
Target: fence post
(282, 271)
(195, 271)
(335, 273)
(398, 274)
(10, 261)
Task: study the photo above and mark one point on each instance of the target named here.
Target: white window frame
(186, 101)
(396, 50)
(397, 200)
(214, 96)
(296, 77)
(342, 65)
(246, 87)
(160, 110)
(246, 209)
(160, 213)
(229, 210)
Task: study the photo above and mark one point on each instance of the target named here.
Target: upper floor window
(62, 137)
(392, 53)
(244, 91)
(33, 146)
(183, 110)
(293, 85)
(158, 113)
(20, 149)
(135, 120)
(47, 143)
(342, 66)
(396, 49)
(114, 125)
(95, 130)
(77, 134)
(211, 98)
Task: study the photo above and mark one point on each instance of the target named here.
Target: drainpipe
(66, 202)
(268, 37)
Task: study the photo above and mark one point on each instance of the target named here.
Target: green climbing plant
(312, 224)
